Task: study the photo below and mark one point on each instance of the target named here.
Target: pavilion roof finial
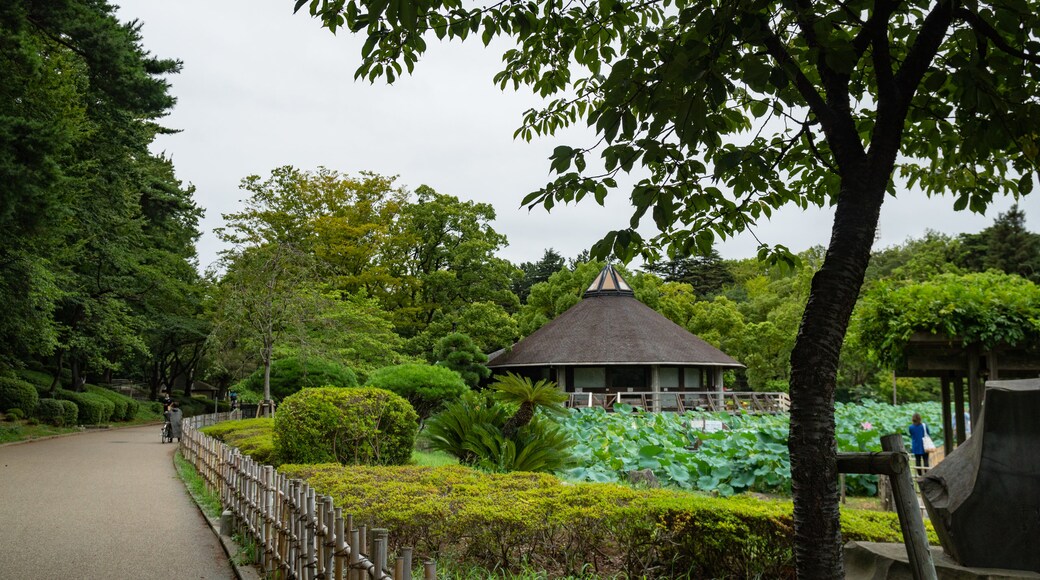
(609, 283)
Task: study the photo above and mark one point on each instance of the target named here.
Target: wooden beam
(958, 405)
(883, 463)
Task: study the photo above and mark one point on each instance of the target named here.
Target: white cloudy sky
(262, 88)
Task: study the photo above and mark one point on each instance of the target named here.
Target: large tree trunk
(814, 365)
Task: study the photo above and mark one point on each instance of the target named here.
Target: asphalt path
(102, 505)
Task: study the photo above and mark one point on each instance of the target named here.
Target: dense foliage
(426, 387)
(988, 308)
(362, 426)
(289, 375)
(501, 521)
(749, 454)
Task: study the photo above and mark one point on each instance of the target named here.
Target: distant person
(166, 401)
(174, 416)
(918, 431)
(234, 399)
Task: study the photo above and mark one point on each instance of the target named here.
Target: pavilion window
(668, 377)
(590, 377)
(692, 378)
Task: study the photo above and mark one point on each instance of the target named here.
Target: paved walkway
(102, 505)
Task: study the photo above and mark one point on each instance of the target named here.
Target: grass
(22, 431)
(433, 458)
(208, 500)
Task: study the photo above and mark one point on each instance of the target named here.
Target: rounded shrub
(15, 414)
(351, 426)
(50, 411)
(69, 412)
(17, 394)
(93, 408)
(289, 375)
(120, 403)
(426, 387)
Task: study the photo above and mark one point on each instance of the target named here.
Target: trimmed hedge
(51, 412)
(93, 409)
(350, 426)
(503, 521)
(253, 437)
(70, 412)
(17, 394)
(121, 403)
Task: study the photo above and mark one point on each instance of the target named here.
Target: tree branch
(979, 25)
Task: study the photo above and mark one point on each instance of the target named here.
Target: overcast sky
(262, 88)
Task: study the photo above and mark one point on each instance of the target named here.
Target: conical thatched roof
(610, 327)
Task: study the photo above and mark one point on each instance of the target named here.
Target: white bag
(929, 445)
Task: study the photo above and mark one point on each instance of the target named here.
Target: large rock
(984, 499)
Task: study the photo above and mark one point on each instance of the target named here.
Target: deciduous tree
(731, 110)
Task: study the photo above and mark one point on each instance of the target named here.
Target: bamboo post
(379, 545)
(341, 546)
(406, 565)
(430, 570)
(355, 556)
(910, 522)
(329, 562)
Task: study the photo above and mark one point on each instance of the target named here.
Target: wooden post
(944, 382)
(975, 387)
(914, 536)
(430, 570)
(958, 403)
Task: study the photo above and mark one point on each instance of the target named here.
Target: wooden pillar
(948, 435)
(655, 386)
(958, 407)
(975, 386)
(561, 378)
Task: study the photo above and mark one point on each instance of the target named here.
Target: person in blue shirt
(917, 431)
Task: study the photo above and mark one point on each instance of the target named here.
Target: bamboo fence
(301, 535)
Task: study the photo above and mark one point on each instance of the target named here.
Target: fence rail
(680, 402)
(301, 533)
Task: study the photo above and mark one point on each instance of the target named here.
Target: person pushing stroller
(172, 428)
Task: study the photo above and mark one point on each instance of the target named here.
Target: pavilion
(609, 343)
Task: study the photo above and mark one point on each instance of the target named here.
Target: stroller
(172, 427)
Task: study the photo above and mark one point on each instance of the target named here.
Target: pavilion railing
(680, 402)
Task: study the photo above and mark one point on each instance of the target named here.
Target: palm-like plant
(513, 389)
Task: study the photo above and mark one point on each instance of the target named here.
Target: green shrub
(120, 403)
(51, 411)
(253, 437)
(503, 521)
(15, 414)
(17, 394)
(93, 409)
(69, 412)
(350, 426)
(289, 375)
(426, 387)
(40, 380)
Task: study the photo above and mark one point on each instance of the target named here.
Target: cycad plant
(513, 389)
(473, 429)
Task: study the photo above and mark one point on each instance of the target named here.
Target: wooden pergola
(964, 369)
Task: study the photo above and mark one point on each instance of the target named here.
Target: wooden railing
(680, 402)
(301, 533)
